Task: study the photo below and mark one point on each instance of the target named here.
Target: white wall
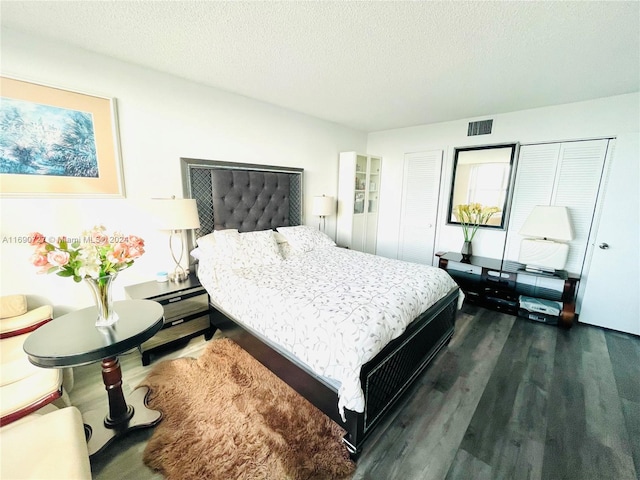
(617, 116)
(617, 269)
(161, 118)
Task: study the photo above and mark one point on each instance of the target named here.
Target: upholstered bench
(45, 446)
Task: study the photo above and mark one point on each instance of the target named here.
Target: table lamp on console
(548, 228)
(177, 214)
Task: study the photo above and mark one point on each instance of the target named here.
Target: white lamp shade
(176, 213)
(550, 222)
(323, 206)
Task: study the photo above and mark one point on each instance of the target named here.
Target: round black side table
(73, 339)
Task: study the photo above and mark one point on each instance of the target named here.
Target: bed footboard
(384, 379)
(390, 374)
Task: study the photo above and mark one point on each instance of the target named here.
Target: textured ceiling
(368, 65)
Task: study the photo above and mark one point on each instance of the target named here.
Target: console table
(73, 339)
(498, 285)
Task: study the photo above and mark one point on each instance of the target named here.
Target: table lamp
(548, 226)
(323, 207)
(176, 215)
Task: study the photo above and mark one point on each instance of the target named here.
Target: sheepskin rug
(226, 416)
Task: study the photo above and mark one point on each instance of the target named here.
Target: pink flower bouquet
(94, 255)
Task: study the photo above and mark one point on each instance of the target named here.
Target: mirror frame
(510, 182)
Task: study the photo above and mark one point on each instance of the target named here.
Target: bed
(347, 330)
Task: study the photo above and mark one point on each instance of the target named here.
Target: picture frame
(57, 143)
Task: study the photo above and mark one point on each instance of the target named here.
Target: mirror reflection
(483, 175)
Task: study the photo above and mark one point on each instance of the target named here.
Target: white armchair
(24, 388)
(45, 447)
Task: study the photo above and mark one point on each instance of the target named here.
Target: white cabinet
(358, 201)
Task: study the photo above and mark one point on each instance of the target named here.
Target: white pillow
(304, 238)
(283, 245)
(207, 242)
(245, 250)
(285, 250)
(260, 248)
(279, 237)
(228, 246)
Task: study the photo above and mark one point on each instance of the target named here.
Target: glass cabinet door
(373, 185)
(360, 185)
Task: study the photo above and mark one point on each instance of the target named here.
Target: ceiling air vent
(483, 127)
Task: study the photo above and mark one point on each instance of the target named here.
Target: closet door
(564, 174)
(579, 175)
(535, 174)
(420, 194)
(608, 291)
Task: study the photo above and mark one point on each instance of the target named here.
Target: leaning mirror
(483, 175)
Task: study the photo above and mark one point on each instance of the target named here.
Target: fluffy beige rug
(226, 416)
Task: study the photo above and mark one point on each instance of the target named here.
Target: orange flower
(36, 238)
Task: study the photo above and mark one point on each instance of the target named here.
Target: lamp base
(179, 274)
(543, 270)
(543, 255)
(178, 277)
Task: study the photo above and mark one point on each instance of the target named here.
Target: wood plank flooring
(508, 399)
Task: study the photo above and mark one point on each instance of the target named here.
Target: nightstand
(186, 312)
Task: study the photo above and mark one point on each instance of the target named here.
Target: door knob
(604, 246)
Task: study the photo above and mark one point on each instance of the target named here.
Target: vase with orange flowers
(95, 257)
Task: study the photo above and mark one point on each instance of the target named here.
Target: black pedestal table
(73, 339)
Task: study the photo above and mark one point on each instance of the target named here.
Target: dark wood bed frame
(385, 379)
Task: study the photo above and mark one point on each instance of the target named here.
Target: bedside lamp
(542, 253)
(323, 207)
(177, 215)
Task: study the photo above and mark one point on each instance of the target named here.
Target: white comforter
(332, 308)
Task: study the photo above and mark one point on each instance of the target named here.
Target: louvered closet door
(565, 174)
(579, 175)
(535, 174)
(420, 194)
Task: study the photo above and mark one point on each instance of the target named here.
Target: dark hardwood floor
(508, 399)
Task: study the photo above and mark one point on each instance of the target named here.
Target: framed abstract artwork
(56, 142)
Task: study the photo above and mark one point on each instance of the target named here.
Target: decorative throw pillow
(303, 238)
(13, 305)
(260, 248)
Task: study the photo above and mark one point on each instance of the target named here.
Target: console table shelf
(499, 285)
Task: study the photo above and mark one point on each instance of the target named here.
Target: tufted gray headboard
(244, 196)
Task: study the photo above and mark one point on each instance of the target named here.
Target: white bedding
(332, 308)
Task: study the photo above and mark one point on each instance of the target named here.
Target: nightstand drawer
(178, 307)
(187, 328)
(186, 313)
